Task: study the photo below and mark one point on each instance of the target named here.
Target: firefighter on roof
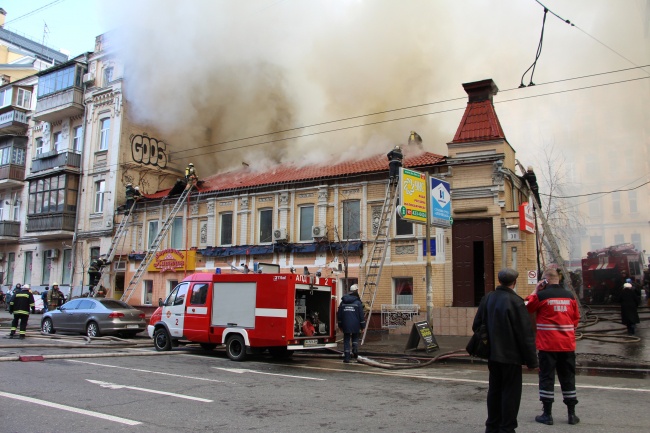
(190, 174)
(531, 178)
(132, 195)
(20, 305)
(395, 158)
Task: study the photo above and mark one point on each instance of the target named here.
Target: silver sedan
(95, 317)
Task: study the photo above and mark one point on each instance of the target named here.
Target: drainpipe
(73, 257)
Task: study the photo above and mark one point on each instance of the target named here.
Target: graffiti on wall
(148, 150)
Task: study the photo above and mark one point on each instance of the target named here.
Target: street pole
(428, 254)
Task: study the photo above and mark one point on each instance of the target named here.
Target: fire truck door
(197, 320)
(174, 309)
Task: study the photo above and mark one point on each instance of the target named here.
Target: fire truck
(604, 272)
(248, 313)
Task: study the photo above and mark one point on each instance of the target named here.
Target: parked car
(95, 317)
(38, 303)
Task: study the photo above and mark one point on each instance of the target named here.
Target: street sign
(413, 199)
(440, 203)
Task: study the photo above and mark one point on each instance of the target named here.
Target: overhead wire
(33, 12)
(539, 53)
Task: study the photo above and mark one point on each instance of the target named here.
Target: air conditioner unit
(280, 235)
(318, 231)
(51, 254)
(89, 79)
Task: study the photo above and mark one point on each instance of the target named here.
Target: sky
(206, 75)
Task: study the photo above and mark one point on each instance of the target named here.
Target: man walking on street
(512, 343)
(22, 302)
(557, 318)
(351, 321)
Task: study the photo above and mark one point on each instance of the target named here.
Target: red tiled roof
(479, 123)
(287, 173)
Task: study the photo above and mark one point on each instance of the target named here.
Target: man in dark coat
(395, 158)
(512, 343)
(351, 321)
(531, 178)
(629, 300)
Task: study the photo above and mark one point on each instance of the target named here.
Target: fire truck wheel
(208, 346)
(236, 348)
(161, 340)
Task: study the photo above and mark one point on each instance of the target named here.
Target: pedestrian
(54, 297)
(44, 298)
(22, 302)
(512, 343)
(395, 158)
(351, 321)
(557, 318)
(629, 300)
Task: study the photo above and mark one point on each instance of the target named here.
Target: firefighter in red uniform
(20, 305)
(557, 318)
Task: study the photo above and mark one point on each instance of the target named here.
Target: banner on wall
(171, 260)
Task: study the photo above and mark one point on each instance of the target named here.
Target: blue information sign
(440, 203)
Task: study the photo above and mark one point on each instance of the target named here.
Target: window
(94, 253)
(66, 273)
(5, 97)
(350, 282)
(77, 142)
(108, 76)
(5, 155)
(403, 227)
(631, 196)
(104, 130)
(226, 229)
(177, 296)
(56, 81)
(18, 156)
(306, 222)
(616, 203)
(11, 262)
(636, 240)
(619, 239)
(24, 98)
(153, 232)
(100, 186)
(266, 225)
(596, 242)
(403, 290)
(2, 205)
(351, 219)
(177, 233)
(57, 143)
(170, 286)
(86, 304)
(53, 194)
(148, 292)
(199, 294)
(27, 275)
(38, 146)
(47, 269)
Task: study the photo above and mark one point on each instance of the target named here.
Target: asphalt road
(194, 391)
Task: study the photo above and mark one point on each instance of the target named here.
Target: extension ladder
(151, 251)
(377, 252)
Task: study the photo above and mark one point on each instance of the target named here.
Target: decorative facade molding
(401, 250)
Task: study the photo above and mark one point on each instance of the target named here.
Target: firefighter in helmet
(20, 305)
(395, 158)
(132, 195)
(190, 174)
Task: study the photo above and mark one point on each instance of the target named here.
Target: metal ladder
(135, 279)
(377, 252)
(119, 233)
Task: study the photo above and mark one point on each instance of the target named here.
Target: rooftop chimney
(480, 121)
(481, 90)
(3, 16)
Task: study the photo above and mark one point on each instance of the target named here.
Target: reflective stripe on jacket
(22, 302)
(557, 317)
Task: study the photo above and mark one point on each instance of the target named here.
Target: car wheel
(161, 340)
(47, 327)
(208, 346)
(92, 329)
(236, 348)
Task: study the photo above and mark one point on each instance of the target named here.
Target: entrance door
(173, 310)
(473, 261)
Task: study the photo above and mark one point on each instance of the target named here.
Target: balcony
(51, 225)
(13, 122)
(9, 230)
(60, 105)
(51, 160)
(12, 175)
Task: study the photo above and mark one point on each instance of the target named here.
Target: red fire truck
(248, 313)
(604, 272)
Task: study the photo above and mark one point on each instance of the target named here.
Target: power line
(378, 113)
(34, 11)
(599, 192)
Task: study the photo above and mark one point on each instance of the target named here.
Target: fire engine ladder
(120, 232)
(131, 288)
(553, 246)
(377, 252)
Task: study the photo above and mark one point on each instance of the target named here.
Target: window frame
(401, 284)
(308, 230)
(351, 221)
(151, 233)
(265, 225)
(77, 139)
(104, 132)
(225, 227)
(176, 238)
(401, 224)
(100, 192)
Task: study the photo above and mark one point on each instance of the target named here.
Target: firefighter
(351, 321)
(531, 178)
(190, 174)
(132, 195)
(22, 302)
(395, 158)
(54, 297)
(95, 270)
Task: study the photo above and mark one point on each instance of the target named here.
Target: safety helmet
(137, 188)
(354, 287)
(129, 184)
(397, 148)
(190, 164)
(55, 284)
(26, 286)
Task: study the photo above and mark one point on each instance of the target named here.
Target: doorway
(473, 261)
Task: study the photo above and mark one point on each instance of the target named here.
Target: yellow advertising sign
(171, 260)
(413, 196)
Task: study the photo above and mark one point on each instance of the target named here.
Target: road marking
(452, 379)
(147, 371)
(244, 370)
(70, 409)
(154, 391)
